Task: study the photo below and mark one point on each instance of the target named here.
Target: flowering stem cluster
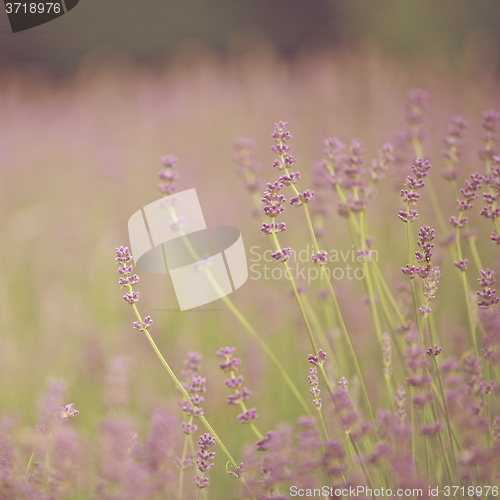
(124, 257)
(230, 365)
(281, 135)
(205, 462)
(317, 362)
(195, 386)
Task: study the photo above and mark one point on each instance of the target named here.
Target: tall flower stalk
(123, 258)
(284, 162)
(168, 188)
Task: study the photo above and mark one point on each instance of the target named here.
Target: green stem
(448, 424)
(387, 293)
(244, 408)
(441, 446)
(29, 465)
(412, 284)
(185, 393)
(475, 254)
(472, 330)
(362, 463)
(248, 327)
(184, 453)
(269, 353)
(323, 423)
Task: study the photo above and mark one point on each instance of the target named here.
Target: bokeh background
(90, 101)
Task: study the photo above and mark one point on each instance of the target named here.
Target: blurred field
(78, 157)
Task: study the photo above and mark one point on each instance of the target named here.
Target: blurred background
(90, 101)
(154, 32)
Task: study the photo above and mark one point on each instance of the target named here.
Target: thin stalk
(29, 465)
(488, 410)
(412, 285)
(362, 463)
(466, 293)
(248, 327)
(302, 311)
(181, 470)
(323, 423)
(244, 408)
(387, 293)
(441, 446)
(186, 395)
(419, 153)
(332, 293)
(448, 424)
(475, 254)
(270, 354)
(413, 435)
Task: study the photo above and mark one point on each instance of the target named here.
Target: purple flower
(434, 352)
(490, 120)
(125, 270)
(178, 224)
(206, 456)
(488, 294)
(273, 228)
(234, 382)
(320, 258)
(188, 428)
(409, 216)
(146, 323)
(416, 106)
(167, 175)
(204, 465)
(68, 411)
(123, 255)
(166, 188)
(197, 385)
(131, 298)
(239, 471)
(230, 365)
(419, 381)
(206, 441)
(462, 264)
(273, 210)
(487, 278)
(458, 223)
(432, 429)
(288, 180)
(195, 399)
(192, 361)
(282, 255)
(248, 416)
(408, 196)
(411, 272)
(226, 351)
(201, 482)
(490, 213)
(343, 385)
(169, 161)
(305, 197)
(265, 443)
